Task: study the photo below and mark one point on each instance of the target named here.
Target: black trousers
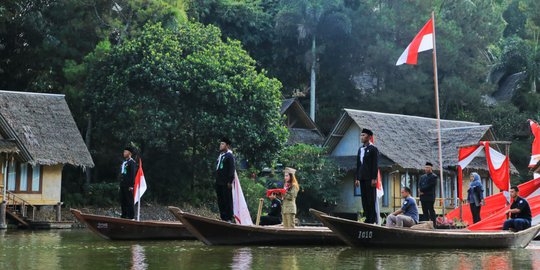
(429, 211)
(475, 211)
(368, 201)
(270, 220)
(126, 201)
(225, 202)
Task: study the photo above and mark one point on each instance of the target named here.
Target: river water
(80, 250)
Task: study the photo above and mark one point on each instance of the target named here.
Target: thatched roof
(300, 135)
(43, 128)
(301, 128)
(410, 141)
(8, 146)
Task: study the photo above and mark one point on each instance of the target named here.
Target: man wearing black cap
(224, 178)
(367, 165)
(128, 171)
(427, 186)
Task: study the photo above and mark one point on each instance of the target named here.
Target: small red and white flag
(140, 184)
(423, 41)
(535, 152)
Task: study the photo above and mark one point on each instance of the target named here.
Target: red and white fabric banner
(535, 152)
(465, 156)
(423, 41)
(498, 165)
(240, 208)
(494, 204)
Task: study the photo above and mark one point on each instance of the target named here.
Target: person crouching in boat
(407, 216)
(475, 196)
(274, 213)
(520, 213)
(289, 200)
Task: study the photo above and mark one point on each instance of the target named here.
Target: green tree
(312, 19)
(177, 91)
(316, 173)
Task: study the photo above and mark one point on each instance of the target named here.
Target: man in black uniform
(128, 172)
(224, 178)
(367, 165)
(274, 213)
(427, 186)
(520, 212)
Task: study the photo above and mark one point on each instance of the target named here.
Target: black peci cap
(226, 140)
(429, 164)
(367, 131)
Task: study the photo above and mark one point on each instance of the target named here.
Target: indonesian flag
(535, 153)
(240, 208)
(380, 190)
(423, 41)
(140, 184)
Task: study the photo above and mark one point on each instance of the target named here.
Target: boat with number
(216, 232)
(113, 228)
(359, 234)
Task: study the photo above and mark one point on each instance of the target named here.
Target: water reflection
(81, 250)
(138, 259)
(242, 259)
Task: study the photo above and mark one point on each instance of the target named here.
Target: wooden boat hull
(124, 229)
(359, 234)
(216, 232)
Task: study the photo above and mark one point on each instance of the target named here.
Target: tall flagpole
(436, 81)
(138, 190)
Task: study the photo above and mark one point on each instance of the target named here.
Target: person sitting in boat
(407, 215)
(274, 213)
(475, 196)
(289, 200)
(520, 213)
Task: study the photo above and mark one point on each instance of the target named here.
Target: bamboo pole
(259, 211)
(436, 82)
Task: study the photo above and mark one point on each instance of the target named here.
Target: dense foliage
(151, 72)
(317, 174)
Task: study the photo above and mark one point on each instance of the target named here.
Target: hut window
(23, 177)
(386, 188)
(36, 178)
(11, 175)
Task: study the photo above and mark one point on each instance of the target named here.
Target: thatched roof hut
(408, 141)
(301, 128)
(41, 129)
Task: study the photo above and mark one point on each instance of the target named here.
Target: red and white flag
(535, 153)
(140, 184)
(380, 190)
(423, 41)
(240, 208)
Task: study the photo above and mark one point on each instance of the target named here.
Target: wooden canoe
(125, 229)
(359, 234)
(216, 232)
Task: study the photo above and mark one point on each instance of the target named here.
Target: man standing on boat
(520, 213)
(367, 164)
(427, 186)
(407, 215)
(128, 171)
(224, 178)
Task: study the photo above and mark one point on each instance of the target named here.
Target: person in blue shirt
(520, 213)
(407, 215)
